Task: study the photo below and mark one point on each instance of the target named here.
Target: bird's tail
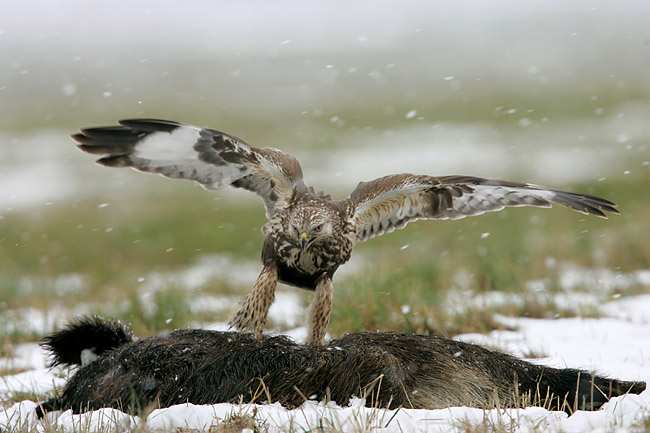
(85, 339)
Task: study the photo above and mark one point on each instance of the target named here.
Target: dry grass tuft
(242, 421)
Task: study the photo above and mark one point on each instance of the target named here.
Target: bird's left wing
(382, 205)
(209, 157)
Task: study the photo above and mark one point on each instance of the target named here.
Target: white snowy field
(614, 345)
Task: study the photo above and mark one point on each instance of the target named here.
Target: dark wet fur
(389, 369)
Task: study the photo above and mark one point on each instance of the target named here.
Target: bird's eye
(318, 228)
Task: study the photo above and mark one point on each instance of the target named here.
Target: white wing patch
(174, 154)
(177, 145)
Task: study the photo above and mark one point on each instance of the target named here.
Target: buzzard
(308, 234)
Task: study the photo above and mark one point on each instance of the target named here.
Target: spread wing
(211, 158)
(382, 205)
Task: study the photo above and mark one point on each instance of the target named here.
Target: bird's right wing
(209, 157)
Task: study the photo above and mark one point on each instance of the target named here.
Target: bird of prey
(308, 235)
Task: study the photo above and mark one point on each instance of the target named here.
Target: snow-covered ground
(615, 345)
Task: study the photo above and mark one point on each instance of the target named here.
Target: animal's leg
(320, 310)
(255, 306)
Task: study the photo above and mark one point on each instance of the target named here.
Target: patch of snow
(633, 309)
(26, 356)
(210, 303)
(188, 417)
(102, 420)
(234, 271)
(618, 415)
(643, 277)
(59, 285)
(600, 280)
(300, 334)
(39, 381)
(31, 320)
(217, 326)
(582, 290)
(610, 346)
(41, 183)
(19, 416)
(287, 309)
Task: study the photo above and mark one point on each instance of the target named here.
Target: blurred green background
(556, 93)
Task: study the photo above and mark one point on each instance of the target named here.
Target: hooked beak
(305, 241)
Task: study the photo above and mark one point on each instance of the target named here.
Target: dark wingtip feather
(600, 207)
(86, 148)
(610, 209)
(79, 138)
(597, 212)
(102, 149)
(150, 125)
(586, 204)
(107, 132)
(115, 161)
(108, 140)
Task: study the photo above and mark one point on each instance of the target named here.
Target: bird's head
(310, 226)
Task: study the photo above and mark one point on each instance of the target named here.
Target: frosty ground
(614, 345)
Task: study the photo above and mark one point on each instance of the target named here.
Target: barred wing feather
(385, 204)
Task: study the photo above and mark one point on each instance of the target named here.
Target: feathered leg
(320, 310)
(255, 306)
